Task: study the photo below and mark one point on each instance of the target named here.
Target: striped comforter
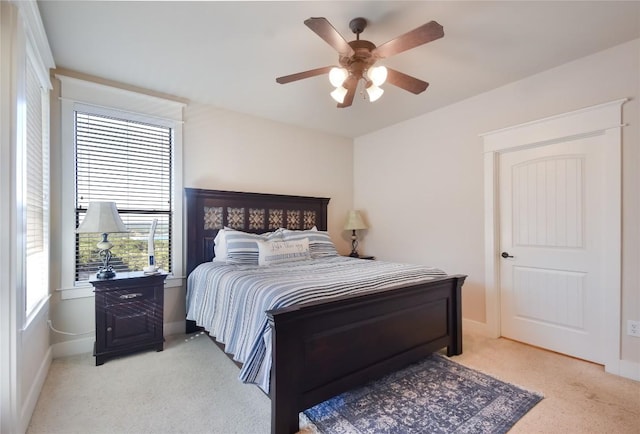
(230, 301)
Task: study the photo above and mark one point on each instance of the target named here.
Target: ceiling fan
(357, 59)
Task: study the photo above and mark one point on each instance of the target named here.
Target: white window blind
(36, 191)
(128, 162)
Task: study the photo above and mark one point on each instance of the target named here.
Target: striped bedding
(230, 301)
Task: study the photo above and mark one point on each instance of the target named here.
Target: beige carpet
(579, 396)
(191, 387)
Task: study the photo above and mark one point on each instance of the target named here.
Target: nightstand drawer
(129, 295)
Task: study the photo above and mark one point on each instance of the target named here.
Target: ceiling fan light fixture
(356, 59)
(338, 94)
(337, 76)
(374, 92)
(377, 75)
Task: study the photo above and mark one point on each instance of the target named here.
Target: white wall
(420, 182)
(224, 150)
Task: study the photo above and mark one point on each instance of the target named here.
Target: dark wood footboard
(323, 349)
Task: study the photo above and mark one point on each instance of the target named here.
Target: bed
(319, 349)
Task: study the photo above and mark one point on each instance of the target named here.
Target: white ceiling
(228, 54)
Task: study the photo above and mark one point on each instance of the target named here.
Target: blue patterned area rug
(435, 395)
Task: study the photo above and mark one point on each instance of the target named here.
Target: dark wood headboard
(208, 211)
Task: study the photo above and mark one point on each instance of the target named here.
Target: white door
(552, 227)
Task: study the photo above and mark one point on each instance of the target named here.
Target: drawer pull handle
(130, 296)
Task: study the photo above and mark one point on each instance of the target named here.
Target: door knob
(506, 255)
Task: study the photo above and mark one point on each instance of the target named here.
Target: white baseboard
(629, 369)
(174, 328)
(34, 392)
(73, 347)
(476, 327)
(85, 345)
(626, 369)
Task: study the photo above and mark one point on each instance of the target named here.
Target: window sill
(85, 290)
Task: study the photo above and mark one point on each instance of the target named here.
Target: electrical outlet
(633, 328)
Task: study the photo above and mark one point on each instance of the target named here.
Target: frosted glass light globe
(374, 92)
(377, 75)
(337, 76)
(338, 94)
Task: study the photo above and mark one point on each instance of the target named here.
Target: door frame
(598, 120)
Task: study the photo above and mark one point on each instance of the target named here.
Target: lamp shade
(354, 221)
(102, 218)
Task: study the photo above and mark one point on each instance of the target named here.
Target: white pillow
(242, 247)
(278, 252)
(220, 246)
(320, 244)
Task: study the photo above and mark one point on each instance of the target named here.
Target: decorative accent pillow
(220, 246)
(242, 247)
(320, 244)
(278, 252)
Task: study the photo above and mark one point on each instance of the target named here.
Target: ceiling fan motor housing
(362, 59)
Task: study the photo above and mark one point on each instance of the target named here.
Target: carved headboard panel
(208, 211)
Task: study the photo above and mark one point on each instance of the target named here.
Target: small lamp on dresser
(103, 218)
(354, 223)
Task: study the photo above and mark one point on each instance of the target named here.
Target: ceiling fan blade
(421, 35)
(330, 35)
(350, 84)
(406, 82)
(301, 75)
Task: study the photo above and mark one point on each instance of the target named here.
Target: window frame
(160, 211)
(86, 96)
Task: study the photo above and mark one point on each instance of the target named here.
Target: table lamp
(354, 223)
(103, 218)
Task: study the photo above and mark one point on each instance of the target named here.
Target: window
(35, 188)
(120, 146)
(130, 162)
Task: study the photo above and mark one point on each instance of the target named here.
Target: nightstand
(129, 314)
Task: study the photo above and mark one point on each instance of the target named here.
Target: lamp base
(105, 274)
(354, 245)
